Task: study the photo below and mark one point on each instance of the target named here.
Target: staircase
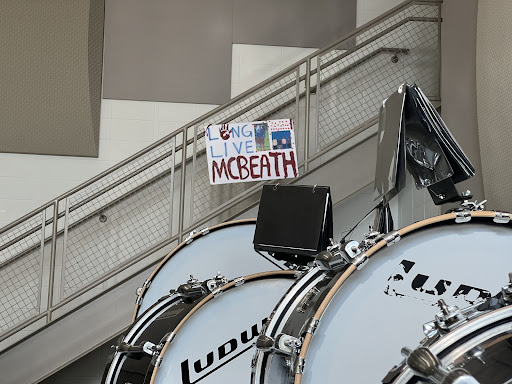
(66, 265)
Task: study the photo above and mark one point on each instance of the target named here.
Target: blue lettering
(225, 149)
(248, 147)
(247, 133)
(235, 131)
(239, 148)
(211, 151)
(210, 135)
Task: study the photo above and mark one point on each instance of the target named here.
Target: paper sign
(261, 150)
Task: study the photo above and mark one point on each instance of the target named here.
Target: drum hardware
(313, 325)
(501, 217)
(447, 327)
(463, 216)
(425, 364)
(391, 238)
(205, 231)
(144, 347)
(190, 237)
(307, 300)
(194, 289)
(239, 281)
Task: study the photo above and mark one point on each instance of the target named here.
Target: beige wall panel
(458, 83)
(494, 84)
(50, 76)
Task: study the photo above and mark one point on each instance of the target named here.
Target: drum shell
(226, 247)
(382, 307)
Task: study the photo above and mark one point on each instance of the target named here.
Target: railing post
(182, 186)
(307, 106)
(52, 259)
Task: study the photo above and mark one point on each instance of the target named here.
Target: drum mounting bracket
(463, 216)
(501, 217)
(391, 238)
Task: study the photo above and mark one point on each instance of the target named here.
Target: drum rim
(476, 326)
(135, 330)
(290, 274)
(352, 267)
(184, 243)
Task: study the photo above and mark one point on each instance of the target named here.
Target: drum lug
(190, 237)
(360, 260)
(169, 337)
(216, 292)
(425, 364)
(506, 291)
(307, 299)
(299, 367)
(239, 281)
(283, 343)
(158, 361)
(147, 347)
(205, 231)
(501, 217)
(138, 291)
(391, 238)
(146, 284)
(312, 326)
(138, 300)
(463, 216)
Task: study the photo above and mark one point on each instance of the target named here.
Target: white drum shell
(229, 250)
(213, 326)
(361, 334)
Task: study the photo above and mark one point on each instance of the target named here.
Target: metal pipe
(171, 194)
(307, 107)
(182, 187)
(52, 258)
(41, 264)
(192, 177)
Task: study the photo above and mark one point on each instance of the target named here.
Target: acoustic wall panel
(293, 23)
(50, 76)
(168, 50)
(494, 81)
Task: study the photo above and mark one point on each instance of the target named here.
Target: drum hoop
(206, 299)
(181, 245)
(136, 329)
(352, 267)
(476, 325)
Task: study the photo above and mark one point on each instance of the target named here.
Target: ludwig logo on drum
(219, 357)
(407, 282)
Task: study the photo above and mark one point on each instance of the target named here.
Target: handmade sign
(261, 150)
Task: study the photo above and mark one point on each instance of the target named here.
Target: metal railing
(73, 248)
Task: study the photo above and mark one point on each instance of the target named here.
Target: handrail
(127, 177)
(233, 101)
(180, 162)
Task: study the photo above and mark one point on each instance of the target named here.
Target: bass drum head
(215, 344)
(382, 307)
(228, 248)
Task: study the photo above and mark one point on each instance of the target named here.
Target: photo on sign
(261, 137)
(281, 140)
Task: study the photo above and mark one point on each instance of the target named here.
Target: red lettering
(275, 155)
(291, 162)
(231, 159)
(253, 165)
(242, 167)
(219, 169)
(264, 163)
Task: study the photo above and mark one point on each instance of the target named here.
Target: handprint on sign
(225, 132)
